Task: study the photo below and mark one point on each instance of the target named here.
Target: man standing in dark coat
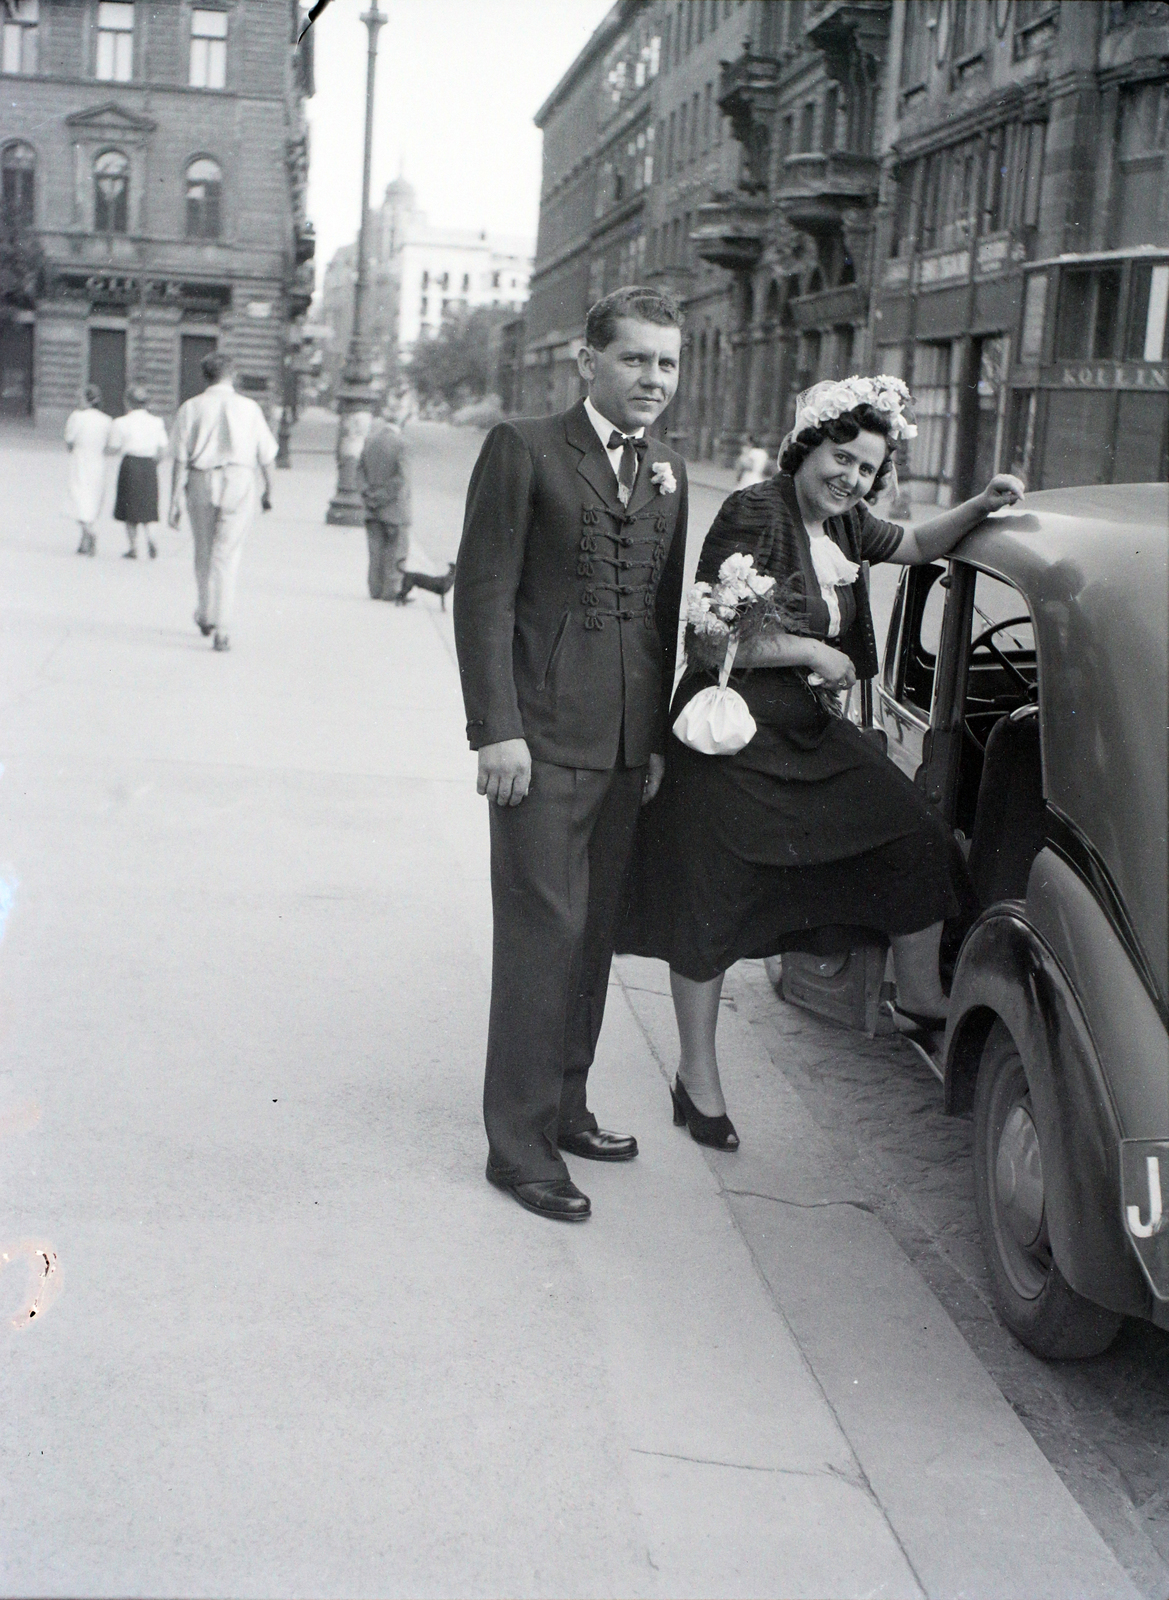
(567, 597)
(384, 475)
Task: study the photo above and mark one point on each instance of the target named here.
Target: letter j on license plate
(1144, 1200)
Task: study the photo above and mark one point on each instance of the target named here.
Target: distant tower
(398, 208)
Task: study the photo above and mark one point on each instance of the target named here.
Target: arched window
(204, 187)
(111, 193)
(18, 164)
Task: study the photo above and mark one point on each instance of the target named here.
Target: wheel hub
(1018, 1174)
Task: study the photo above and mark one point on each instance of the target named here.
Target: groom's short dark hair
(642, 304)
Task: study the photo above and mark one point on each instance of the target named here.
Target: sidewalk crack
(827, 1471)
(803, 1205)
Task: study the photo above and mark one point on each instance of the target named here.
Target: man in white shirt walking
(220, 439)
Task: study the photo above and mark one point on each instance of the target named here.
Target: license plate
(1144, 1201)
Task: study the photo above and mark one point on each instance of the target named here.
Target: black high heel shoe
(717, 1132)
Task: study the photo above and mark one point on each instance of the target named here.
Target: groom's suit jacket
(566, 602)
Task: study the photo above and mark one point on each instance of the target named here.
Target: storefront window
(1147, 332)
(1077, 447)
(1089, 311)
(1142, 438)
(935, 390)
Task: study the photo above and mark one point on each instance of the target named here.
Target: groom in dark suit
(567, 596)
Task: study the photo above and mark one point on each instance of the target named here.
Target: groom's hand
(505, 771)
(653, 778)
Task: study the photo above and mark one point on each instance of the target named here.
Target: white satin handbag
(717, 721)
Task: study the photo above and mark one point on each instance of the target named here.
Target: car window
(921, 636)
(996, 603)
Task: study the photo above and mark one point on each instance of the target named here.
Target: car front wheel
(1033, 1297)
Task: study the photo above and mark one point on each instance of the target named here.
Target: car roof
(1093, 565)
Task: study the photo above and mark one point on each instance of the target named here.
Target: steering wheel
(983, 642)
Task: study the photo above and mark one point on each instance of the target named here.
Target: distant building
(418, 274)
(159, 154)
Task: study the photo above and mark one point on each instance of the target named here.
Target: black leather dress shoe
(597, 1145)
(558, 1198)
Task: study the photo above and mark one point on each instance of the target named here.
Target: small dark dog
(427, 580)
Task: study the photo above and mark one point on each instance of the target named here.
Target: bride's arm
(776, 649)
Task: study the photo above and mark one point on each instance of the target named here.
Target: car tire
(1033, 1297)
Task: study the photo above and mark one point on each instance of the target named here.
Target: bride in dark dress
(808, 838)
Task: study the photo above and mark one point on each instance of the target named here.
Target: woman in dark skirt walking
(808, 838)
(140, 438)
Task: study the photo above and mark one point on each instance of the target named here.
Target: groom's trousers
(558, 863)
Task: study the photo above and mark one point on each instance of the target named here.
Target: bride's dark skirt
(809, 839)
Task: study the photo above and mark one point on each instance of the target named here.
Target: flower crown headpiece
(825, 401)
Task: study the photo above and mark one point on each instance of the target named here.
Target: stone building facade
(159, 155)
(970, 193)
(1024, 240)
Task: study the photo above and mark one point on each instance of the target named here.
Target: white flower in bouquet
(738, 578)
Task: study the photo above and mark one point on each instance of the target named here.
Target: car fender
(1007, 971)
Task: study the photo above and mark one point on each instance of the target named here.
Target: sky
(458, 82)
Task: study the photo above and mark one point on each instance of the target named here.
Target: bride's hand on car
(1004, 489)
(833, 667)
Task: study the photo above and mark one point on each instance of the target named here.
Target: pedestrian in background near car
(752, 465)
(87, 432)
(139, 438)
(566, 626)
(383, 472)
(221, 439)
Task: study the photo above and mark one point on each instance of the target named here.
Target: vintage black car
(1024, 689)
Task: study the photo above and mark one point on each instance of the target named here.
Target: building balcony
(817, 188)
(731, 231)
(299, 289)
(844, 29)
(748, 94)
(306, 242)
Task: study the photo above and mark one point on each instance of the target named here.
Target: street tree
(458, 364)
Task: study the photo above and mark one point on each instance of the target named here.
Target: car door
(905, 687)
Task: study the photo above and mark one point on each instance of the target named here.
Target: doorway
(16, 369)
(193, 347)
(107, 367)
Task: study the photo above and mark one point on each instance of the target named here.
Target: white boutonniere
(663, 478)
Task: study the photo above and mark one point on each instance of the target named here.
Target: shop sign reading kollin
(1112, 375)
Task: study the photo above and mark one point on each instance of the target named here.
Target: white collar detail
(603, 428)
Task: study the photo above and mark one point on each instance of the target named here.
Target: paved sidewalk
(300, 1346)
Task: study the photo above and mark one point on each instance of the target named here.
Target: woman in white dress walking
(87, 432)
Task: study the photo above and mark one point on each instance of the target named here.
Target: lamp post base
(357, 404)
(346, 510)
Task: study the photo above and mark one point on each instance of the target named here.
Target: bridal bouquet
(720, 618)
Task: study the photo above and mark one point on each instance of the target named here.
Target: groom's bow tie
(631, 452)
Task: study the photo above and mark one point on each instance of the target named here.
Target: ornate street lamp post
(357, 394)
